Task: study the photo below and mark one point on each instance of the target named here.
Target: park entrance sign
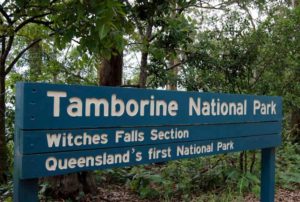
(63, 129)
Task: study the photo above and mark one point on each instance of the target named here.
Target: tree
(100, 35)
(14, 17)
(280, 53)
(91, 22)
(161, 31)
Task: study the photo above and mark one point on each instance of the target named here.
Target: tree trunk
(68, 186)
(143, 70)
(3, 149)
(110, 73)
(172, 84)
(144, 58)
(295, 124)
(63, 186)
(294, 3)
(35, 60)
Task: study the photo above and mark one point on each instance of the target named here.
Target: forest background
(228, 46)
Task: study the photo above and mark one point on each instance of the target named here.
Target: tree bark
(144, 58)
(294, 3)
(295, 124)
(172, 85)
(143, 70)
(35, 59)
(110, 73)
(3, 148)
(68, 186)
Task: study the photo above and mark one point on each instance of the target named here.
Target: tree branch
(2, 11)
(4, 3)
(175, 65)
(130, 86)
(20, 55)
(41, 22)
(76, 41)
(139, 26)
(3, 46)
(244, 7)
(7, 48)
(134, 43)
(44, 23)
(155, 35)
(30, 20)
(53, 2)
(9, 68)
(206, 5)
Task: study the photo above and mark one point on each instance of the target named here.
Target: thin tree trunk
(242, 161)
(144, 58)
(172, 85)
(295, 124)
(253, 161)
(143, 70)
(3, 149)
(35, 57)
(294, 3)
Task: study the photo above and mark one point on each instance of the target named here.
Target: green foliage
(163, 32)
(198, 179)
(6, 191)
(143, 182)
(116, 175)
(288, 167)
(187, 179)
(244, 182)
(99, 25)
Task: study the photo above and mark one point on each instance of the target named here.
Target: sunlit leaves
(99, 26)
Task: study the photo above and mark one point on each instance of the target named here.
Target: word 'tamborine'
(114, 107)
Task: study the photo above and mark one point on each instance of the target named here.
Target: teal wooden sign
(63, 129)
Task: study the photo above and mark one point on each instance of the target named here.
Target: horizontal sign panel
(49, 164)
(47, 106)
(41, 141)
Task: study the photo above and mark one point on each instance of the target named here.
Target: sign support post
(268, 175)
(26, 190)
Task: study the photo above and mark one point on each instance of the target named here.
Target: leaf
(252, 178)
(103, 32)
(155, 178)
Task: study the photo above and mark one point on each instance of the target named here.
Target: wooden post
(268, 175)
(26, 190)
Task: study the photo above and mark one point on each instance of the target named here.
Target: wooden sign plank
(43, 141)
(45, 106)
(50, 164)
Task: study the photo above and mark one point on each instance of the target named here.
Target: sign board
(62, 129)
